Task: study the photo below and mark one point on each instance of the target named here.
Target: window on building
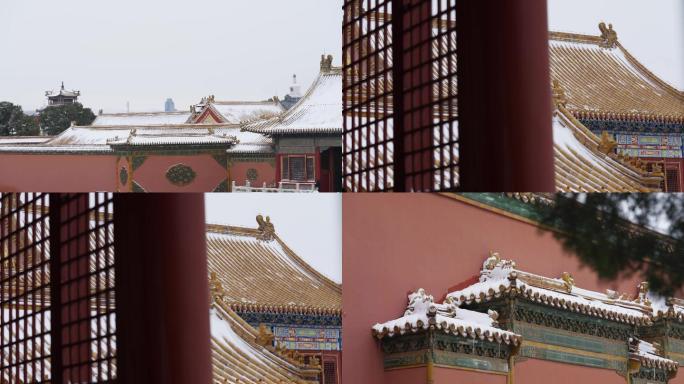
(298, 168)
(329, 372)
(672, 183)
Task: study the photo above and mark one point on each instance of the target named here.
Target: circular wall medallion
(180, 175)
(123, 176)
(252, 174)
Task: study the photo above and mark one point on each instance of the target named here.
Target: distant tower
(62, 97)
(295, 94)
(169, 106)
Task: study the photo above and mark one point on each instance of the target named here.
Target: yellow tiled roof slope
(602, 79)
(259, 272)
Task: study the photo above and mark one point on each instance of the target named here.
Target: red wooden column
(162, 289)
(413, 98)
(504, 100)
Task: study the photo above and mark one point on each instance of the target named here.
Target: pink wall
(541, 372)
(400, 376)
(265, 172)
(57, 173)
(449, 376)
(679, 379)
(386, 257)
(152, 174)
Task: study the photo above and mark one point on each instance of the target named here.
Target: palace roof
(649, 355)
(319, 111)
(62, 92)
(141, 118)
(422, 313)
(500, 277)
(603, 80)
(242, 354)
(235, 112)
(259, 272)
(102, 138)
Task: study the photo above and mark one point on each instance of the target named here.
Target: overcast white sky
(651, 30)
(310, 224)
(146, 51)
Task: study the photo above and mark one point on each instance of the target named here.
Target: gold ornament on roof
(568, 281)
(657, 170)
(215, 287)
(559, 97)
(326, 63)
(608, 35)
(643, 293)
(492, 260)
(266, 228)
(607, 144)
(265, 336)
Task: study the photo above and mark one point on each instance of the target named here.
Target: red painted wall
(449, 376)
(152, 174)
(397, 243)
(57, 173)
(541, 372)
(265, 173)
(401, 376)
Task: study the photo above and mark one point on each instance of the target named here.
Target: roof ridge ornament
(326, 63)
(607, 144)
(608, 34)
(559, 98)
(266, 228)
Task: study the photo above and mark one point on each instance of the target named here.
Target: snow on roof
(141, 118)
(650, 355)
(150, 136)
(236, 112)
(100, 138)
(422, 313)
(238, 357)
(499, 277)
(19, 140)
(318, 111)
(582, 167)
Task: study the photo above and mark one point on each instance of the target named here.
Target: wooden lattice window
(399, 86)
(25, 310)
(57, 319)
(298, 168)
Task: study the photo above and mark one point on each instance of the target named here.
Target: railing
(283, 187)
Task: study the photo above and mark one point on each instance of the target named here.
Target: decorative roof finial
(266, 228)
(326, 63)
(62, 85)
(559, 98)
(608, 35)
(607, 144)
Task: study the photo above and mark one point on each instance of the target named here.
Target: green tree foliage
(13, 121)
(622, 235)
(55, 119)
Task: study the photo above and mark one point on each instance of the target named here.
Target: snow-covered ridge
(422, 313)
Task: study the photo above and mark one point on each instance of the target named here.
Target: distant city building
(62, 97)
(169, 106)
(294, 96)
